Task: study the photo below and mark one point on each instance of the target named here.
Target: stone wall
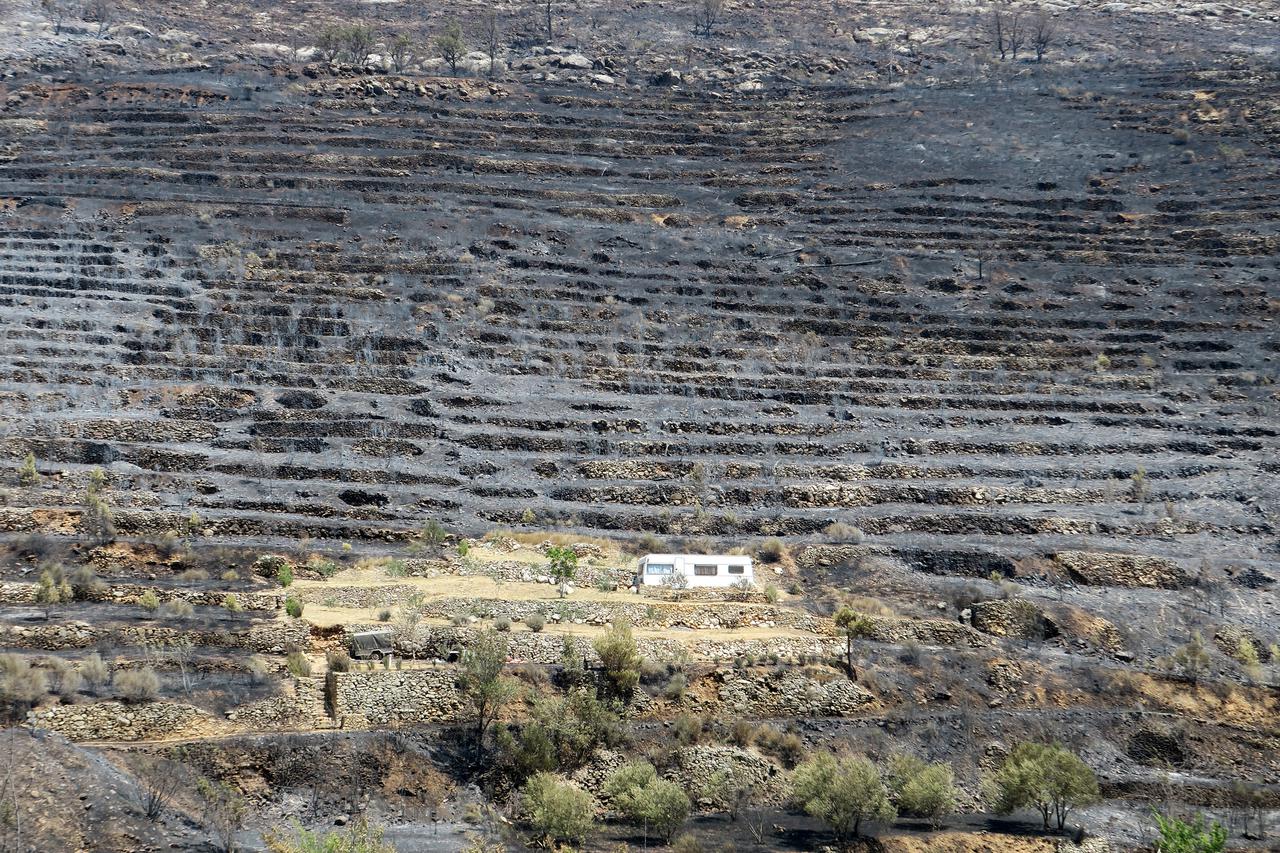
(117, 721)
(789, 694)
(300, 706)
(380, 696)
(272, 637)
(1126, 570)
(694, 615)
(17, 592)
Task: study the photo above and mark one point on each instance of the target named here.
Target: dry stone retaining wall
(116, 721)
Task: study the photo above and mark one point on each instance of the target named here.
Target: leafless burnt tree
(706, 14)
(1042, 35)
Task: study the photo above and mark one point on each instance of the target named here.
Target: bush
(384, 615)
(922, 790)
(193, 575)
(676, 687)
(842, 532)
(86, 584)
(299, 664)
(620, 659)
(359, 837)
(231, 603)
(94, 671)
(137, 685)
(772, 551)
(686, 843)
(842, 793)
(231, 575)
(742, 733)
(149, 601)
(535, 622)
(687, 729)
(257, 669)
(1179, 836)
(396, 568)
(177, 608)
(293, 607)
(338, 661)
(464, 547)
(502, 623)
(284, 574)
(1046, 777)
(771, 594)
(646, 800)
(559, 811)
(21, 686)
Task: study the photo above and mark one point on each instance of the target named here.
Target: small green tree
(52, 590)
(621, 661)
(400, 52)
(647, 800)
(854, 626)
(149, 601)
(451, 46)
(562, 565)
(842, 793)
(28, 475)
(284, 574)
(1046, 777)
(922, 790)
(293, 607)
(487, 690)
(1178, 836)
(223, 810)
(559, 811)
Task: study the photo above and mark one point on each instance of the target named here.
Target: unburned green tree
(1179, 836)
(647, 800)
(557, 810)
(621, 661)
(922, 790)
(854, 626)
(1046, 777)
(451, 46)
(842, 792)
(562, 565)
(487, 690)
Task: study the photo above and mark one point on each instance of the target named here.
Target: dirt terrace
(298, 310)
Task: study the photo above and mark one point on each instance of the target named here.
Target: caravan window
(737, 570)
(659, 569)
(705, 571)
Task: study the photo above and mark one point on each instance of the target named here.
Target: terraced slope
(1008, 321)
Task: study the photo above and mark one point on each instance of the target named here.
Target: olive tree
(1046, 777)
(487, 690)
(647, 800)
(842, 792)
(557, 810)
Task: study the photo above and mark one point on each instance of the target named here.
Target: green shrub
(231, 575)
(299, 664)
(137, 685)
(149, 601)
(293, 607)
(384, 615)
(177, 608)
(231, 603)
(502, 623)
(772, 551)
(338, 661)
(842, 793)
(647, 800)
(771, 594)
(284, 574)
(922, 790)
(1046, 777)
(557, 810)
(535, 622)
(620, 660)
(464, 547)
(396, 568)
(686, 843)
(94, 671)
(687, 729)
